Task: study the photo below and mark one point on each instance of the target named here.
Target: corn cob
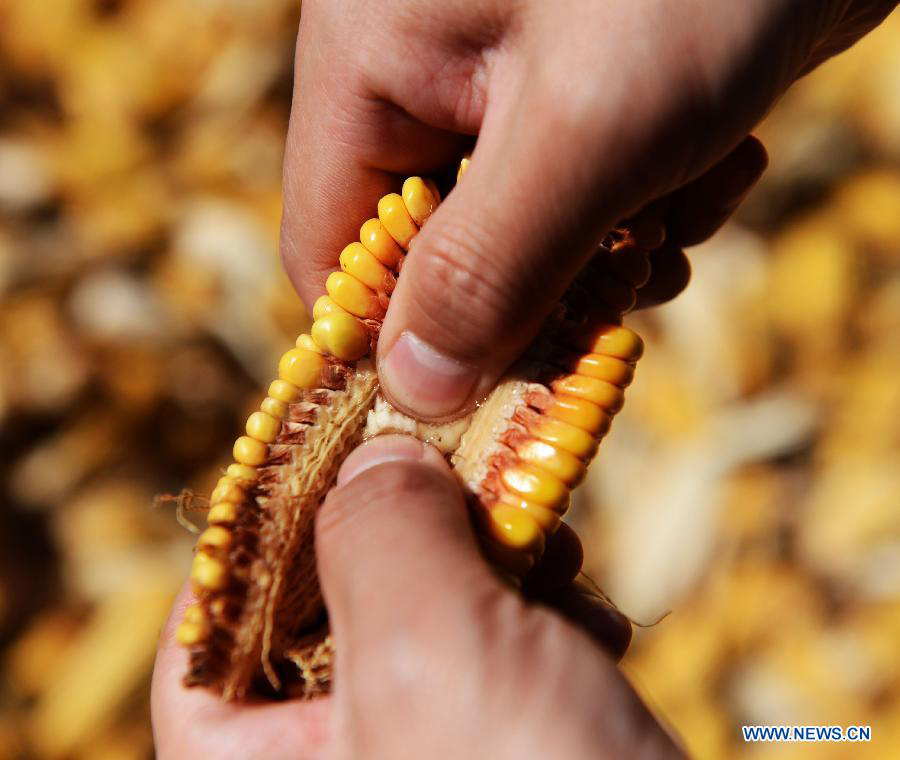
(259, 623)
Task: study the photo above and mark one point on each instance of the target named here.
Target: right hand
(585, 113)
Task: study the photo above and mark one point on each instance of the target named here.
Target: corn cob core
(259, 623)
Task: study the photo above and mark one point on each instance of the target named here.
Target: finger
(394, 547)
(606, 625)
(553, 583)
(489, 266)
(701, 207)
(693, 214)
(559, 565)
(345, 148)
(670, 274)
(197, 723)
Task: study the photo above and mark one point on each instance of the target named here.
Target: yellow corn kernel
(548, 519)
(221, 608)
(249, 451)
(303, 369)
(208, 573)
(463, 167)
(215, 537)
(284, 391)
(278, 409)
(223, 513)
(241, 474)
(380, 244)
(535, 484)
(356, 261)
(227, 490)
(613, 340)
(603, 367)
(194, 613)
(263, 427)
(307, 343)
(605, 395)
(324, 305)
(341, 335)
(555, 460)
(396, 220)
(515, 528)
(580, 413)
(418, 199)
(351, 295)
(188, 634)
(569, 437)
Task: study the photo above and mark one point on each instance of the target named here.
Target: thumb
(394, 546)
(488, 268)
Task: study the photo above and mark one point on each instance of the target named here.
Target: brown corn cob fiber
(259, 624)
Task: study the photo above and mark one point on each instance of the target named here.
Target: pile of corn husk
(751, 486)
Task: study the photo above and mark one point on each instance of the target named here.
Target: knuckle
(460, 277)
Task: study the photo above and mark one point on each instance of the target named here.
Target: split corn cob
(259, 623)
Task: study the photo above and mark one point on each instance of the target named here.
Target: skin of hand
(436, 656)
(585, 113)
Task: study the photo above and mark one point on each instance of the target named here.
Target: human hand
(586, 114)
(435, 656)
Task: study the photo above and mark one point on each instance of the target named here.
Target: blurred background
(751, 486)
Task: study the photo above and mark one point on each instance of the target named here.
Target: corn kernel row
(553, 445)
(360, 291)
